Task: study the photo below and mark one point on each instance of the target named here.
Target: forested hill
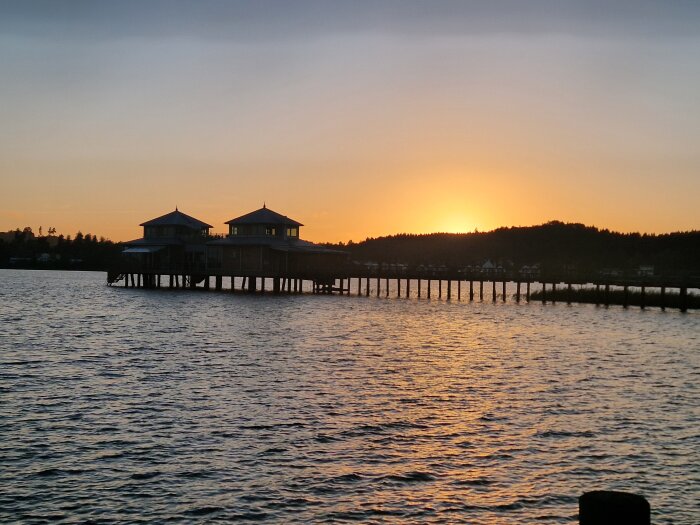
(22, 249)
(554, 246)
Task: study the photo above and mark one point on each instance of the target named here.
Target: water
(130, 405)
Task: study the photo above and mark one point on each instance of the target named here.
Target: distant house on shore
(645, 270)
(489, 268)
(530, 271)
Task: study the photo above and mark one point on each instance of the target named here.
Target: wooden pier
(421, 285)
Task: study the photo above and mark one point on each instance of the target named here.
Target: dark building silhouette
(262, 243)
(172, 243)
(267, 243)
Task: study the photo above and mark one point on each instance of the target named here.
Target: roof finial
(264, 206)
(176, 207)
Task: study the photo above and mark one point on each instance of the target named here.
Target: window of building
(293, 232)
(270, 230)
(234, 230)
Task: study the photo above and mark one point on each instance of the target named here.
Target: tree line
(23, 249)
(555, 246)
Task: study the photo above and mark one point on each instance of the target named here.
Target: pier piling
(683, 299)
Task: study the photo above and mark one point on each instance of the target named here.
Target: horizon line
(475, 231)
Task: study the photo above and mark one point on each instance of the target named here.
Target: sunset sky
(358, 118)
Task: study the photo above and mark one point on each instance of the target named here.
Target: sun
(455, 223)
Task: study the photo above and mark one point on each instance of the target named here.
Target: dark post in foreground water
(607, 507)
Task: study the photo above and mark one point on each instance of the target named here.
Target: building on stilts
(260, 245)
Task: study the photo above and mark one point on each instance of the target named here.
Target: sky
(358, 118)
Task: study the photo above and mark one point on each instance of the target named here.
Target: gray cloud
(283, 19)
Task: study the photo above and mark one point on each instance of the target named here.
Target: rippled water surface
(130, 405)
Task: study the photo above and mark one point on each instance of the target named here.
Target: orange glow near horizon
(360, 133)
(401, 202)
